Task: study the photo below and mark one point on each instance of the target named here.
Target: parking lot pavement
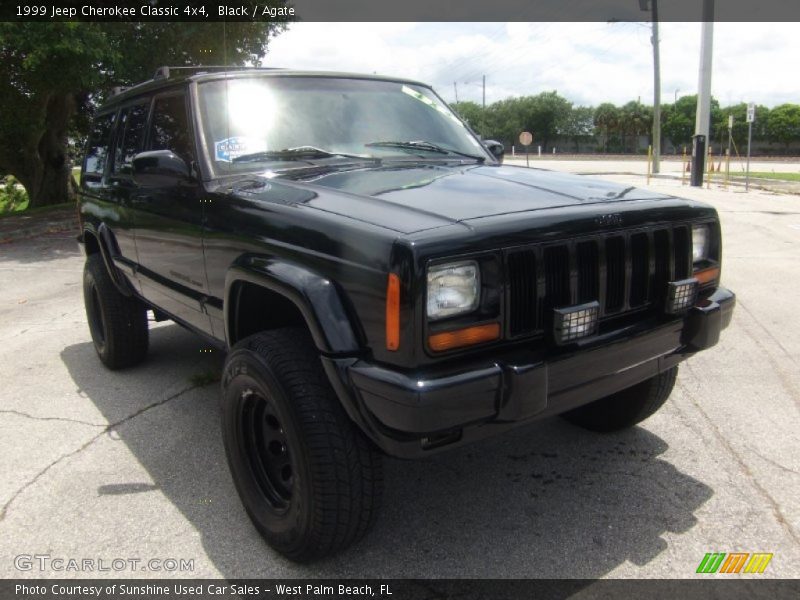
(130, 465)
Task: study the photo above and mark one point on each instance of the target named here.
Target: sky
(588, 63)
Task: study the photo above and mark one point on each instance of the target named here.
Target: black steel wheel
(266, 447)
(308, 478)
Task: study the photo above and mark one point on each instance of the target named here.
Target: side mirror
(496, 148)
(160, 168)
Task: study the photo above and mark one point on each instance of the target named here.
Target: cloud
(589, 63)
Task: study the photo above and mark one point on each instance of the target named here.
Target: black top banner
(400, 10)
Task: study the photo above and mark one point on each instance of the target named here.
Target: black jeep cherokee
(379, 280)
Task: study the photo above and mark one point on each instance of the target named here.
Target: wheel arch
(299, 295)
(101, 241)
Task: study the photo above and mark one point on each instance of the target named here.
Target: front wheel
(627, 407)
(308, 478)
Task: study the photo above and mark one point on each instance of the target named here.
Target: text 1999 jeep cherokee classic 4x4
(380, 282)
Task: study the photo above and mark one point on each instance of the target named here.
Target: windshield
(251, 121)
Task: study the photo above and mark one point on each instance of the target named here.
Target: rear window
(97, 154)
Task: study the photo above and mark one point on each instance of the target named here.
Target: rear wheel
(627, 407)
(308, 478)
(118, 323)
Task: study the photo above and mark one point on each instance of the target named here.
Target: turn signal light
(393, 312)
(707, 275)
(468, 336)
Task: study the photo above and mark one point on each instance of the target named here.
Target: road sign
(525, 138)
(751, 116)
(751, 112)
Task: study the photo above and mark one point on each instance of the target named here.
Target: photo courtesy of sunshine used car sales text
(205, 589)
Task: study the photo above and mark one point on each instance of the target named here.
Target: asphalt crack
(776, 508)
(769, 334)
(106, 429)
(19, 413)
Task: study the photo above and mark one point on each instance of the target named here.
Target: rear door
(131, 130)
(169, 240)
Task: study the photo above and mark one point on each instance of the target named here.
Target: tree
(607, 121)
(504, 120)
(54, 74)
(636, 120)
(679, 121)
(740, 126)
(544, 115)
(578, 125)
(784, 124)
(474, 114)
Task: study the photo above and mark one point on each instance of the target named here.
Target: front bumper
(409, 415)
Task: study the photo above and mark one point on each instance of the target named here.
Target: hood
(416, 196)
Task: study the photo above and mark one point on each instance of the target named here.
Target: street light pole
(656, 93)
(703, 117)
(653, 8)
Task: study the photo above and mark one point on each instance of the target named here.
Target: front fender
(315, 296)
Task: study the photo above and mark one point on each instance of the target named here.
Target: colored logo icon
(734, 562)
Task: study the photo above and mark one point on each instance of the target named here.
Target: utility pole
(703, 117)
(484, 91)
(653, 8)
(455, 87)
(656, 93)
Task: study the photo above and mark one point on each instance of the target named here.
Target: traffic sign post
(751, 116)
(728, 154)
(525, 138)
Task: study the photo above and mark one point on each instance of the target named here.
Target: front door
(168, 223)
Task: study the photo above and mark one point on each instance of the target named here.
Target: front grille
(624, 271)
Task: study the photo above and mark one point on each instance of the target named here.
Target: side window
(170, 127)
(130, 141)
(97, 150)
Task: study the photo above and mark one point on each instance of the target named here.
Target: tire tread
(346, 469)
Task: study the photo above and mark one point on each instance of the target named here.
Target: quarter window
(97, 151)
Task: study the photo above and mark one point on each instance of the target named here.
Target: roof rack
(164, 72)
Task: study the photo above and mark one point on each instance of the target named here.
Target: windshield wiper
(425, 146)
(298, 153)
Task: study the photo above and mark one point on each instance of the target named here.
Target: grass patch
(770, 175)
(205, 377)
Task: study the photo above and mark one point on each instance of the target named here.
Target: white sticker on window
(233, 147)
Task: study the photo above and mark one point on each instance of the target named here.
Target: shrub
(12, 196)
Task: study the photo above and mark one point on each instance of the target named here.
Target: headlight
(453, 289)
(700, 242)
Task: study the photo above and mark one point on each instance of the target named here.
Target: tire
(118, 323)
(627, 407)
(310, 481)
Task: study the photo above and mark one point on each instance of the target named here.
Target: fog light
(575, 322)
(681, 295)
